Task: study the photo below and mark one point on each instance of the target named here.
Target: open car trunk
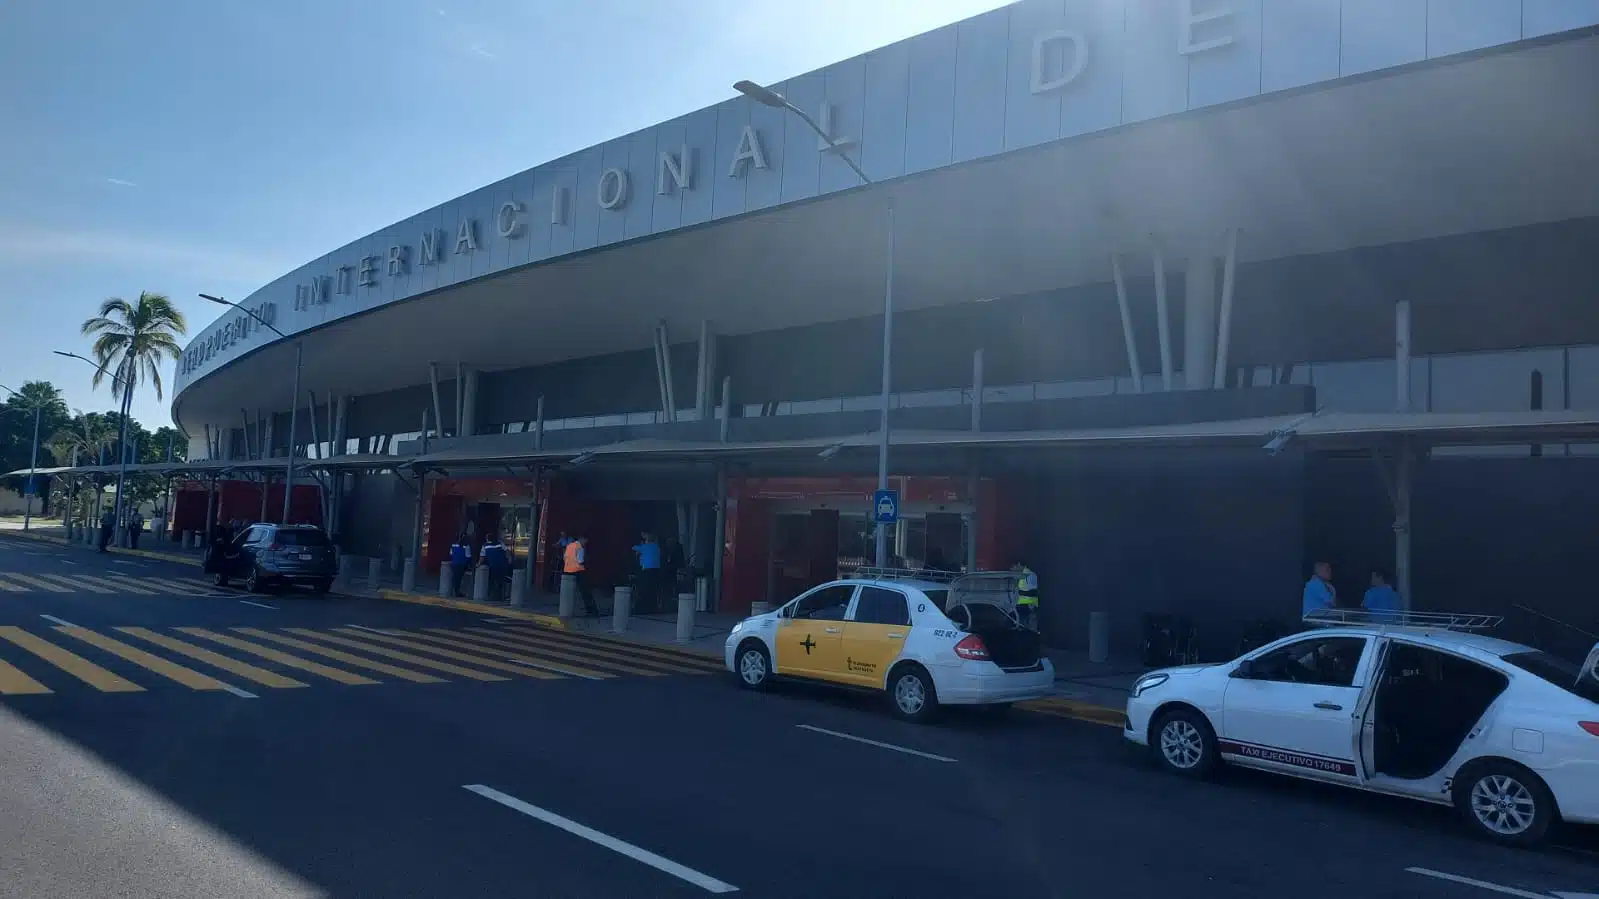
(984, 604)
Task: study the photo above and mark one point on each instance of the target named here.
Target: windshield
(1557, 671)
(305, 537)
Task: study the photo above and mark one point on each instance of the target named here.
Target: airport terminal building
(1186, 295)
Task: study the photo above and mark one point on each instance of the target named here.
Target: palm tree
(133, 339)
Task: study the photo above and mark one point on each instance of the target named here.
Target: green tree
(16, 425)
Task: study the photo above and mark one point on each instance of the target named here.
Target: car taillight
(1591, 727)
(275, 547)
(973, 648)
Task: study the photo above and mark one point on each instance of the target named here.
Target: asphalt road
(608, 771)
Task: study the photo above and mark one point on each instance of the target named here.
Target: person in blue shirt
(460, 561)
(498, 559)
(1381, 597)
(649, 563)
(1319, 591)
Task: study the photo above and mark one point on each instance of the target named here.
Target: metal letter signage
(398, 263)
(368, 271)
(507, 221)
(430, 246)
(1073, 48)
(613, 189)
(1186, 45)
(833, 144)
(466, 237)
(679, 168)
(749, 150)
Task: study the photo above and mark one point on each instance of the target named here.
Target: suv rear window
(1557, 671)
(300, 537)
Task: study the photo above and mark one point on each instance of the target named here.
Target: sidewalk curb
(141, 553)
(1079, 711)
(552, 622)
(465, 605)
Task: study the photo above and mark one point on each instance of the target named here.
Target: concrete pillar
(519, 584)
(685, 617)
(469, 382)
(341, 411)
(374, 572)
(446, 580)
(705, 373)
(480, 584)
(1199, 326)
(408, 576)
(1402, 357)
(621, 608)
(568, 595)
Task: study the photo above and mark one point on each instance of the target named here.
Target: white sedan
(1507, 734)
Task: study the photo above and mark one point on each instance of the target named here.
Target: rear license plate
(305, 557)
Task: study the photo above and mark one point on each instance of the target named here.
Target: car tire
(753, 666)
(252, 581)
(220, 579)
(1504, 802)
(911, 695)
(1185, 744)
(321, 588)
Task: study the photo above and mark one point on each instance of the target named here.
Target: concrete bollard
(446, 580)
(1098, 636)
(188, 539)
(518, 589)
(568, 595)
(408, 577)
(374, 572)
(480, 583)
(685, 617)
(760, 608)
(396, 559)
(621, 608)
(346, 570)
(199, 540)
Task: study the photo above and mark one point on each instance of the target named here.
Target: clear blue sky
(212, 145)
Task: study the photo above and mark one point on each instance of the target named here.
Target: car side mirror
(1248, 669)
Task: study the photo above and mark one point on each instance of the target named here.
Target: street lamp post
(771, 98)
(33, 463)
(294, 404)
(122, 440)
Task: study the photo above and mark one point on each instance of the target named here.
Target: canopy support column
(1402, 356)
(1224, 330)
(1163, 320)
(1127, 324)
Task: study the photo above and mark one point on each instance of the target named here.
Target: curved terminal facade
(1129, 244)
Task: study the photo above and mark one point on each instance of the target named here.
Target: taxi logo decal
(860, 666)
(1287, 757)
(808, 643)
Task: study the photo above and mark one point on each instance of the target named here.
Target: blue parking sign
(885, 506)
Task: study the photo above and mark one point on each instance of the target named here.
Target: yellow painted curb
(1081, 711)
(465, 605)
(142, 553)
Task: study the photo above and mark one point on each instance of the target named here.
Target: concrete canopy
(1496, 139)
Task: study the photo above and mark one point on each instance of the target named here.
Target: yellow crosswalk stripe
(37, 584)
(592, 649)
(419, 661)
(188, 677)
(73, 582)
(499, 639)
(13, 682)
(463, 641)
(10, 587)
(155, 585)
(186, 585)
(416, 677)
(282, 658)
(199, 653)
(70, 662)
(477, 661)
(115, 585)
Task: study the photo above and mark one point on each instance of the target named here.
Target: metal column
(1224, 330)
(721, 536)
(538, 426)
(1127, 324)
(1163, 320)
(977, 389)
(1199, 322)
(1404, 475)
(727, 405)
(438, 409)
(705, 373)
(1402, 356)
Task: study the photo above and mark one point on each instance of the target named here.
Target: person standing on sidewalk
(460, 561)
(1026, 595)
(575, 565)
(108, 525)
(135, 528)
(649, 563)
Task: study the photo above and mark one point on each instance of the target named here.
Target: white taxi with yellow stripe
(921, 638)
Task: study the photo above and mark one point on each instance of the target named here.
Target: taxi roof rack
(871, 573)
(1465, 622)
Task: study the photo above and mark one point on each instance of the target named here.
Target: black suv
(267, 555)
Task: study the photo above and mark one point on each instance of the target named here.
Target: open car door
(1365, 717)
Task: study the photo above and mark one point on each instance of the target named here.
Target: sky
(188, 146)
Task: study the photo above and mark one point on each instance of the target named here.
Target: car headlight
(1149, 682)
(736, 628)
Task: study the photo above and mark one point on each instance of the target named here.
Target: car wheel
(911, 694)
(754, 666)
(252, 581)
(321, 588)
(220, 579)
(1505, 802)
(1185, 743)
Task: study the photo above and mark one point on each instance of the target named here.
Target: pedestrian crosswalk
(107, 584)
(129, 659)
